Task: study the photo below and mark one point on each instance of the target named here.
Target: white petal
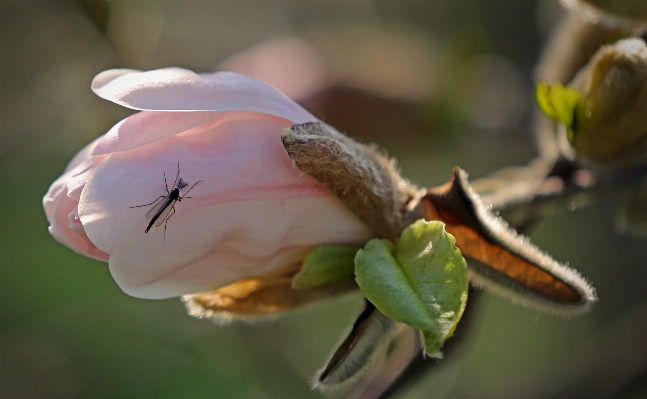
(238, 161)
(253, 212)
(213, 246)
(149, 126)
(177, 89)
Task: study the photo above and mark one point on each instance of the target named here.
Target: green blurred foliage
(67, 331)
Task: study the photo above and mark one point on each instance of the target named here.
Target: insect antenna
(194, 184)
(178, 174)
(166, 184)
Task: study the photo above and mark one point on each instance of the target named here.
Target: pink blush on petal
(80, 175)
(75, 221)
(147, 127)
(68, 232)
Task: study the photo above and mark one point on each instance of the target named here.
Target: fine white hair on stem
(497, 231)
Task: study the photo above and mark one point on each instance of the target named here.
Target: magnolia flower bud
(196, 191)
(625, 10)
(364, 179)
(587, 26)
(611, 115)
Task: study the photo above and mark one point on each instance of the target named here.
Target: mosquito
(164, 206)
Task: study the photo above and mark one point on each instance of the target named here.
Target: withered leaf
(498, 257)
(258, 297)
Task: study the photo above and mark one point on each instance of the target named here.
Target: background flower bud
(611, 116)
(253, 214)
(635, 10)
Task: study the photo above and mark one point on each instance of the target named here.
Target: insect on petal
(164, 214)
(157, 206)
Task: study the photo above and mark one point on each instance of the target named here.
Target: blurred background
(437, 83)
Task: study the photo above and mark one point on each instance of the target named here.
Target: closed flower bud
(611, 116)
(250, 211)
(611, 11)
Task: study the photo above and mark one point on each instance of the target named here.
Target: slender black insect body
(164, 206)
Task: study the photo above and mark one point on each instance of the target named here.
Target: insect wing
(164, 212)
(157, 207)
(182, 183)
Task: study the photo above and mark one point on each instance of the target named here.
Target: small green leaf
(558, 103)
(421, 281)
(326, 265)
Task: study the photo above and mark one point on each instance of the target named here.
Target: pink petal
(146, 127)
(80, 174)
(149, 126)
(217, 245)
(52, 198)
(60, 204)
(58, 209)
(60, 188)
(82, 155)
(253, 210)
(241, 159)
(177, 89)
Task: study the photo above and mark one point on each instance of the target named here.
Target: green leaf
(421, 281)
(558, 103)
(326, 265)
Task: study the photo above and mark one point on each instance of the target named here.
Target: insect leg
(194, 184)
(171, 214)
(139, 206)
(166, 221)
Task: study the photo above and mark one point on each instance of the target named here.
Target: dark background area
(67, 331)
